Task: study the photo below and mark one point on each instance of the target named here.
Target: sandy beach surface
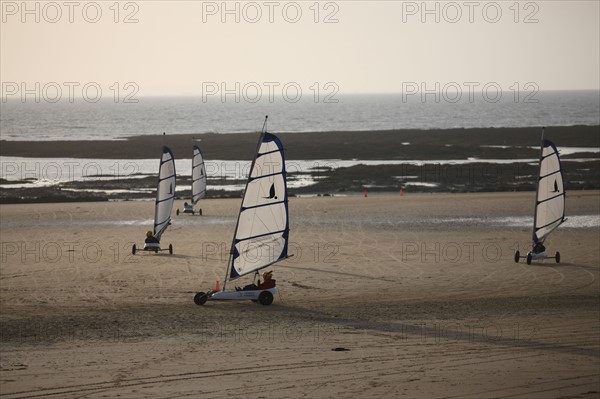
(386, 297)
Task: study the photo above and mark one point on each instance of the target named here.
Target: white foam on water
(561, 150)
(574, 222)
(420, 184)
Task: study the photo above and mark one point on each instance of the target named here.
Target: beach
(413, 296)
(394, 166)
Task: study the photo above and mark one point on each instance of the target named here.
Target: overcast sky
(177, 48)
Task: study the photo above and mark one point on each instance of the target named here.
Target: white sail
(165, 192)
(550, 201)
(261, 236)
(198, 176)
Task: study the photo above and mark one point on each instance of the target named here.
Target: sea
(115, 119)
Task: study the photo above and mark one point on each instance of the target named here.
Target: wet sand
(506, 162)
(391, 144)
(418, 294)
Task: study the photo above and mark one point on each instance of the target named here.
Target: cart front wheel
(265, 298)
(200, 298)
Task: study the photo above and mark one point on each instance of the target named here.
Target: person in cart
(539, 248)
(268, 283)
(150, 239)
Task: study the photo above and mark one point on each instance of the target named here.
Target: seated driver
(150, 239)
(538, 248)
(268, 283)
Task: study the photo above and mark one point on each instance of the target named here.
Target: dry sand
(427, 306)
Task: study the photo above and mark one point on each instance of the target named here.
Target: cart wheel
(200, 211)
(517, 256)
(200, 298)
(557, 257)
(177, 212)
(529, 257)
(170, 249)
(265, 298)
(133, 249)
(156, 251)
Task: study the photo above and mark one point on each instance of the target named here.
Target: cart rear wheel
(133, 249)
(265, 298)
(171, 249)
(177, 212)
(200, 298)
(517, 256)
(529, 257)
(557, 257)
(200, 212)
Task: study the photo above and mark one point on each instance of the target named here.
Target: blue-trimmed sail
(165, 192)
(261, 237)
(198, 176)
(550, 201)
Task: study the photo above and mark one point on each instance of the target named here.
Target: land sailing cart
(549, 210)
(165, 196)
(198, 183)
(262, 230)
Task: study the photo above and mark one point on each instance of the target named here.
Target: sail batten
(549, 199)
(263, 176)
(550, 223)
(165, 193)
(261, 236)
(258, 206)
(550, 174)
(267, 153)
(550, 196)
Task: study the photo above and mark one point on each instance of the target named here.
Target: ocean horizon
(108, 119)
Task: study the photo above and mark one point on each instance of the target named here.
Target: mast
(537, 189)
(229, 260)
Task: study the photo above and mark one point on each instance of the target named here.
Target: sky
(206, 48)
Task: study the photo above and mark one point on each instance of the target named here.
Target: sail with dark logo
(549, 210)
(550, 201)
(262, 229)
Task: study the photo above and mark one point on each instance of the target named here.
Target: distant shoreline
(367, 145)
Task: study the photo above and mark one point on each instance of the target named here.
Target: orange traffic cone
(217, 288)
